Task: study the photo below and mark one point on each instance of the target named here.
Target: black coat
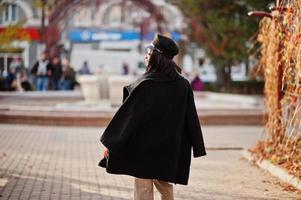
(57, 71)
(152, 133)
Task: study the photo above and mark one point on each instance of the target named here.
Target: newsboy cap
(164, 45)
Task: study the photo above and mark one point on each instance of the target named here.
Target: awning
(33, 32)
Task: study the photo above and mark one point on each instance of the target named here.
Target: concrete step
(102, 118)
(68, 108)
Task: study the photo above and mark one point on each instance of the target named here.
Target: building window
(6, 14)
(13, 12)
(9, 14)
(113, 16)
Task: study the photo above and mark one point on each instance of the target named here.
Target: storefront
(98, 35)
(109, 49)
(26, 51)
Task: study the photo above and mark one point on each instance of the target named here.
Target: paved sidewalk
(42, 162)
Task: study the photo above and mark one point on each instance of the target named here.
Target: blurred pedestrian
(67, 81)
(125, 68)
(23, 84)
(151, 135)
(16, 63)
(41, 72)
(197, 84)
(57, 71)
(85, 69)
(10, 81)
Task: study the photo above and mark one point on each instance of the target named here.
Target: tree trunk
(223, 75)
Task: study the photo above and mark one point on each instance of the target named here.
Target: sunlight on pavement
(113, 192)
(3, 182)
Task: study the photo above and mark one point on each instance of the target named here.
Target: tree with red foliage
(222, 29)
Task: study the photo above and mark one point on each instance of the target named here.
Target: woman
(151, 135)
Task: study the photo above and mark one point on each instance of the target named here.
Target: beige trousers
(144, 189)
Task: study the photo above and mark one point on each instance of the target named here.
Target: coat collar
(153, 76)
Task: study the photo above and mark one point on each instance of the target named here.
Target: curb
(274, 170)
(55, 116)
(43, 95)
(224, 148)
(228, 97)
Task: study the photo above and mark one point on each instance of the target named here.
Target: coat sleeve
(194, 127)
(34, 68)
(126, 121)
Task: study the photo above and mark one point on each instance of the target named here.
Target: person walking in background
(41, 72)
(197, 83)
(151, 135)
(57, 71)
(125, 69)
(85, 69)
(67, 81)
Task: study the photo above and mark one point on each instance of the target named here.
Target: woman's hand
(106, 153)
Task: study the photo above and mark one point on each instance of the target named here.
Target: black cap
(164, 45)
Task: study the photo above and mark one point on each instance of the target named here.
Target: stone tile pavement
(43, 162)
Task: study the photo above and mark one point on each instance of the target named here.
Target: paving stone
(48, 162)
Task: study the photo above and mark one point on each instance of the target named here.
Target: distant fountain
(101, 92)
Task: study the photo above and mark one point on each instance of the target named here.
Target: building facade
(106, 35)
(24, 11)
(115, 33)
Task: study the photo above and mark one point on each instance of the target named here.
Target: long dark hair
(159, 63)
